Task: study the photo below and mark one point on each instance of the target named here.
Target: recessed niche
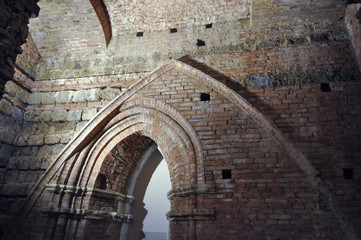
(173, 30)
(140, 34)
(325, 87)
(205, 97)
(348, 173)
(210, 25)
(226, 174)
(200, 43)
(101, 182)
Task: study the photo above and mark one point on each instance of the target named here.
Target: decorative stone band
(87, 214)
(191, 214)
(94, 192)
(191, 190)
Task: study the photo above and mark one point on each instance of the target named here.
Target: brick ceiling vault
(104, 19)
(69, 28)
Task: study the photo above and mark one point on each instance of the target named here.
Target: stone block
(74, 115)
(48, 98)
(23, 95)
(6, 150)
(45, 163)
(31, 177)
(31, 116)
(92, 95)
(36, 140)
(11, 88)
(259, 80)
(52, 139)
(6, 136)
(24, 164)
(63, 97)
(57, 149)
(80, 125)
(46, 116)
(13, 163)
(66, 138)
(45, 151)
(6, 107)
(9, 189)
(17, 113)
(36, 163)
(35, 98)
(79, 96)
(89, 114)
(59, 115)
(109, 93)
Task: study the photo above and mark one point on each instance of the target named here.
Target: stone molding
(191, 214)
(190, 190)
(93, 192)
(87, 214)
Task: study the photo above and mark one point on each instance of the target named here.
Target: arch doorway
(143, 173)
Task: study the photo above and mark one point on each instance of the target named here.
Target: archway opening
(155, 224)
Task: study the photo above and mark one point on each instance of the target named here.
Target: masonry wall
(267, 196)
(275, 61)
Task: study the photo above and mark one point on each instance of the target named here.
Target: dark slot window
(325, 87)
(226, 174)
(205, 97)
(348, 173)
(140, 34)
(173, 30)
(101, 182)
(210, 25)
(200, 43)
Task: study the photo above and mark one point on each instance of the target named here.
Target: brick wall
(280, 56)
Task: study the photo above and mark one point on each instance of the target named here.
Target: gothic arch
(70, 181)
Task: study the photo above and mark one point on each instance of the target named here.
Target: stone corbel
(190, 190)
(191, 214)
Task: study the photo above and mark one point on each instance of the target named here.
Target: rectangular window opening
(348, 173)
(140, 34)
(205, 97)
(325, 87)
(200, 43)
(210, 25)
(226, 174)
(173, 30)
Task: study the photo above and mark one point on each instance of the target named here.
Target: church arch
(70, 184)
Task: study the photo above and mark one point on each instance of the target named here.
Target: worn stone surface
(89, 114)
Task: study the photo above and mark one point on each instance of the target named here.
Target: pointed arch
(74, 172)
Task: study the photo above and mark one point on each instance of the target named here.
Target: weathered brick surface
(273, 53)
(268, 195)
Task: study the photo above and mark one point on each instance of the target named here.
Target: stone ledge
(191, 214)
(87, 214)
(190, 190)
(93, 192)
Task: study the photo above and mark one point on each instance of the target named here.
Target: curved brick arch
(110, 115)
(147, 126)
(102, 13)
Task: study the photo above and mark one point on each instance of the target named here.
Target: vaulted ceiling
(73, 27)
